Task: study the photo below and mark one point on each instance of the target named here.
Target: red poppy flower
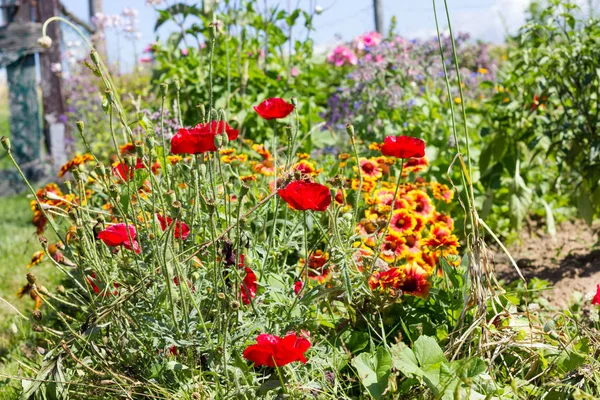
(182, 231)
(125, 172)
(116, 235)
(248, 287)
(274, 108)
(201, 138)
(596, 299)
(403, 147)
(271, 350)
(303, 196)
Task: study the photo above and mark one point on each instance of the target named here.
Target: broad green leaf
(374, 371)
(404, 360)
(428, 352)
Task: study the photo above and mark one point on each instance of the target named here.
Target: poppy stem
(387, 225)
(305, 254)
(280, 377)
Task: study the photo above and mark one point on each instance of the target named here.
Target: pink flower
(145, 59)
(368, 40)
(202, 45)
(294, 71)
(184, 52)
(342, 55)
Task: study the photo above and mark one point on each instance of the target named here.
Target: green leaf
(584, 206)
(175, 366)
(520, 199)
(428, 352)
(550, 224)
(374, 371)
(404, 360)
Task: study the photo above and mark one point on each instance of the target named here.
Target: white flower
(318, 10)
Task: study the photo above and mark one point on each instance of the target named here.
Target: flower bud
(235, 305)
(202, 112)
(213, 114)
(5, 143)
(95, 58)
(221, 295)
(244, 190)
(210, 204)
(318, 10)
(218, 141)
(294, 101)
(43, 290)
(164, 89)
(31, 278)
(45, 42)
(176, 204)
(60, 289)
(80, 126)
(101, 170)
(350, 130)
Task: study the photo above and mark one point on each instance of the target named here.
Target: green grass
(18, 242)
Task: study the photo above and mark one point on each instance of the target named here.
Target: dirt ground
(570, 261)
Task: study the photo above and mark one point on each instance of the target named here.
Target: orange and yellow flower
(369, 168)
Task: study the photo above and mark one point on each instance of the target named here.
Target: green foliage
(541, 141)
(256, 55)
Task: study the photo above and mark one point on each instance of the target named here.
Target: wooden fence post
(18, 44)
(54, 106)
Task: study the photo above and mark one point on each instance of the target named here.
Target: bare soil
(570, 261)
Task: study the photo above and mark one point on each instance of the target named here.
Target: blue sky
(341, 19)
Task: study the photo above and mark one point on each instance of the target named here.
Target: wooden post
(378, 11)
(52, 98)
(17, 54)
(95, 6)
